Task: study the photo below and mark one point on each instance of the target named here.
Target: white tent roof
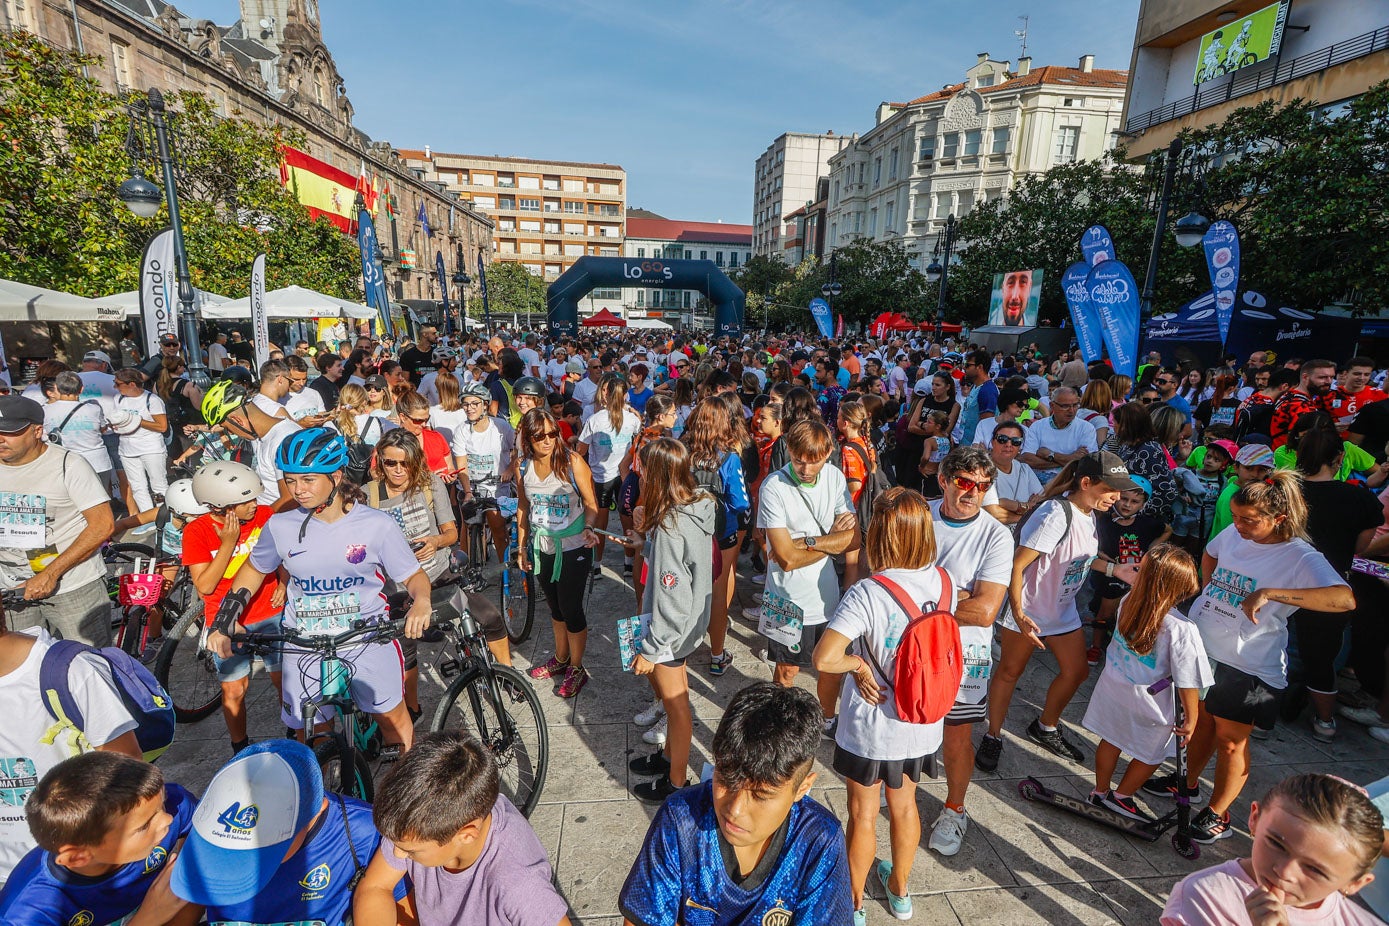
(293, 302)
(22, 302)
(648, 323)
(129, 303)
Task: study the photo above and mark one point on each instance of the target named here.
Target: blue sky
(686, 100)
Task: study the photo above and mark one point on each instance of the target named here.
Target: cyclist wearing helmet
(445, 358)
(528, 392)
(338, 553)
(482, 450)
(228, 403)
(214, 548)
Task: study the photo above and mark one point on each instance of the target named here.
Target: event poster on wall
(1015, 298)
(1241, 43)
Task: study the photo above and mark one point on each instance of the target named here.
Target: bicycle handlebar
(253, 639)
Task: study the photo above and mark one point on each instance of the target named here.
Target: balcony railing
(1253, 79)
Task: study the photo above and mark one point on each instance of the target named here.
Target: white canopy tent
(650, 323)
(22, 302)
(293, 302)
(129, 303)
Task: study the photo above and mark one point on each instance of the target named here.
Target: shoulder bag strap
(75, 410)
(359, 870)
(911, 608)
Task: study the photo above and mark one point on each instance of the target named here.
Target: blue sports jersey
(312, 888)
(679, 876)
(42, 893)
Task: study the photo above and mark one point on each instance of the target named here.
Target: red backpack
(930, 657)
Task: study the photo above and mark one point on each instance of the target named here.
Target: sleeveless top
(556, 511)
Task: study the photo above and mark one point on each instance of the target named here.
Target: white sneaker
(655, 711)
(948, 832)
(757, 598)
(656, 736)
(753, 614)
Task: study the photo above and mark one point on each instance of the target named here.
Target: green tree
(760, 278)
(64, 156)
(512, 288)
(878, 276)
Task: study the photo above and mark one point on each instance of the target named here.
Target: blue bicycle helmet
(312, 450)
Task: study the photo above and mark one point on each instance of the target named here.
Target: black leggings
(1319, 639)
(1369, 632)
(566, 596)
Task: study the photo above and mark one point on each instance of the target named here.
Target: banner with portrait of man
(1015, 298)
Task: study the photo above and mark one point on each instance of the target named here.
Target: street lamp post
(831, 289)
(1190, 228)
(461, 280)
(142, 197)
(939, 268)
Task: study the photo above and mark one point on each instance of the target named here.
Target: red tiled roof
(674, 230)
(1047, 74)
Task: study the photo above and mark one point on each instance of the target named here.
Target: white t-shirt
(1123, 712)
(95, 384)
(82, 433)
(974, 551)
(532, 361)
(488, 454)
(1243, 567)
(871, 618)
(805, 511)
(608, 444)
(142, 440)
(265, 448)
(1051, 582)
(41, 505)
(585, 391)
(1020, 484)
(24, 758)
(301, 404)
(1069, 439)
(446, 422)
(554, 374)
(897, 381)
(217, 357)
(270, 406)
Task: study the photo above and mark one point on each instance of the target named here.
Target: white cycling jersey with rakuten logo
(337, 571)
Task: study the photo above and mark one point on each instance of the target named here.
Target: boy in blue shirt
(749, 847)
(106, 824)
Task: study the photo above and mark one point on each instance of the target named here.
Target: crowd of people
(1222, 530)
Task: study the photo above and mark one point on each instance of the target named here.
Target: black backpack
(711, 480)
(1254, 419)
(359, 454)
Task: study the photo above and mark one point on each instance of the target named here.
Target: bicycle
(481, 698)
(516, 588)
(140, 588)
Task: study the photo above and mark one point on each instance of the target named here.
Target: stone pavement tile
(933, 909)
(1055, 904)
(193, 762)
(548, 822)
(597, 846)
(1042, 844)
(587, 763)
(596, 920)
(611, 696)
(976, 866)
(1139, 901)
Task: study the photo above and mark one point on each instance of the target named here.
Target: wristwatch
(810, 543)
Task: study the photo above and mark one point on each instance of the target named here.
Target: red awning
(604, 319)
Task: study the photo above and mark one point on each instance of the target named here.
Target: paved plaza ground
(1021, 863)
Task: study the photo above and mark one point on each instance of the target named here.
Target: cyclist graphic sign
(1241, 43)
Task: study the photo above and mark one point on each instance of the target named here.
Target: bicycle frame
(335, 695)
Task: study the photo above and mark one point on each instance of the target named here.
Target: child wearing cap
(1253, 462)
(267, 845)
(1125, 536)
(105, 824)
(467, 853)
(1202, 480)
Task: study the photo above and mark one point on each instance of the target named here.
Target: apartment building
(786, 177)
(942, 153)
(1196, 61)
(547, 214)
(728, 246)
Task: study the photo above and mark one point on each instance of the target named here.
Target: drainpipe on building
(77, 33)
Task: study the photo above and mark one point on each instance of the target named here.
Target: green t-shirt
(1356, 460)
(1222, 517)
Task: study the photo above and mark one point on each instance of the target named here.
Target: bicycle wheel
(187, 671)
(516, 598)
(120, 558)
(514, 730)
(130, 634)
(339, 775)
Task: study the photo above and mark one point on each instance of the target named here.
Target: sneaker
(830, 726)
(759, 578)
(1365, 716)
(1324, 731)
(986, 756)
(548, 669)
(597, 570)
(948, 832)
(756, 597)
(1379, 733)
(1167, 786)
(1206, 828)
(653, 763)
(1093, 655)
(719, 664)
(753, 614)
(655, 711)
(900, 907)
(626, 570)
(656, 792)
(1054, 741)
(656, 736)
(151, 652)
(575, 678)
(1096, 798)
(1125, 807)
(860, 917)
(1259, 733)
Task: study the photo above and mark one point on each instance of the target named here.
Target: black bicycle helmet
(529, 385)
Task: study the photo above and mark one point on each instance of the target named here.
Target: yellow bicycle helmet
(224, 397)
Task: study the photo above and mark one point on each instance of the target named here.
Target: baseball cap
(18, 413)
(249, 814)
(1108, 468)
(922, 387)
(377, 381)
(98, 355)
(170, 339)
(575, 366)
(1228, 446)
(1249, 455)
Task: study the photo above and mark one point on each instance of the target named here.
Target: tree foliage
(511, 288)
(64, 157)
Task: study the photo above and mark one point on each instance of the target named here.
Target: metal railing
(1255, 78)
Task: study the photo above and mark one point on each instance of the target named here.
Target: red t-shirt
(200, 545)
(437, 455)
(1343, 407)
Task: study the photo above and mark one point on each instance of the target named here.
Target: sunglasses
(395, 464)
(419, 421)
(1015, 441)
(1148, 401)
(548, 435)
(965, 484)
(375, 389)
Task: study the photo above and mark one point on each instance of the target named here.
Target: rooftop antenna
(1022, 34)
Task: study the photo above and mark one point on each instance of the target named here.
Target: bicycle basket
(140, 588)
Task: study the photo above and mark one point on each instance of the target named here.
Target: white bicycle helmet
(224, 484)
(181, 499)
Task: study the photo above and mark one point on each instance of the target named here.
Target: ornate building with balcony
(940, 154)
(648, 238)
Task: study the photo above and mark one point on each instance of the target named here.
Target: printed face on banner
(1015, 298)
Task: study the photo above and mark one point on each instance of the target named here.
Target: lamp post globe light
(1190, 229)
(143, 199)
(938, 271)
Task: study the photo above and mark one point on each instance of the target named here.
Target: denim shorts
(238, 665)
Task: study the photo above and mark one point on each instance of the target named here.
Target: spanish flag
(321, 188)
